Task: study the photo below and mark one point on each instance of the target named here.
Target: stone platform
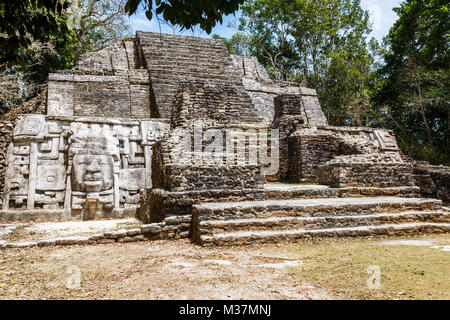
(286, 220)
(237, 238)
(177, 132)
(274, 191)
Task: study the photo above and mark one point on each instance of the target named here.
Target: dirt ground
(412, 268)
(23, 232)
(152, 270)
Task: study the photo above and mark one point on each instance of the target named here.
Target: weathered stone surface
(79, 161)
(286, 220)
(277, 191)
(311, 207)
(433, 181)
(405, 229)
(103, 83)
(172, 60)
(211, 227)
(6, 130)
(37, 215)
(366, 174)
(339, 157)
(263, 92)
(220, 127)
(30, 127)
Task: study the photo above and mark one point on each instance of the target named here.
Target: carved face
(92, 173)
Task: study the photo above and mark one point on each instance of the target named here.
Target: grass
(335, 268)
(407, 272)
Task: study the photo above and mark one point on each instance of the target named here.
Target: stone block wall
(6, 130)
(263, 91)
(178, 166)
(249, 67)
(79, 164)
(184, 175)
(122, 55)
(434, 181)
(312, 146)
(289, 105)
(211, 103)
(172, 59)
(122, 95)
(366, 174)
(340, 156)
(307, 151)
(236, 177)
(105, 83)
(157, 204)
(288, 119)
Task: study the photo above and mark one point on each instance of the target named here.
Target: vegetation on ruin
(401, 84)
(39, 37)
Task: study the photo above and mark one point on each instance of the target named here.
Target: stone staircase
(172, 60)
(292, 212)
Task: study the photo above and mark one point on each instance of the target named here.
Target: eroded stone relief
(88, 167)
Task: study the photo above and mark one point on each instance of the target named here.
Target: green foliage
(411, 89)
(50, 40)
(22, 21)
(267, 26)
(238, 44)
(100, 23)
(186, 14)
(322, 44)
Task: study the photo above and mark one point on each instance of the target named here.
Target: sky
(381, 16)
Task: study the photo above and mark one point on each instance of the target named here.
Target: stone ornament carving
(87, 167)
(384, 140)
(94, 155)
(30, 127)
(94, 164)
(92, 173)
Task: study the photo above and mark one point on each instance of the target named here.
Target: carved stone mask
(92, 173)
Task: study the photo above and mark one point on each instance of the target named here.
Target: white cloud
(142, 22)
(375, 16)
(381, 15)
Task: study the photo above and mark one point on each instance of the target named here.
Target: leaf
(149, 15)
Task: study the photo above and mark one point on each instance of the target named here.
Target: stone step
(322, 207)
(206, 59)
(178, 46)
(196, 57)
(180, 50)
(187, 66)
(218, 76)
(254, 237)
(279, 191)
(309, 223)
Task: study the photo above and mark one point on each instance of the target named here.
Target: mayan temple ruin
(201, 144)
